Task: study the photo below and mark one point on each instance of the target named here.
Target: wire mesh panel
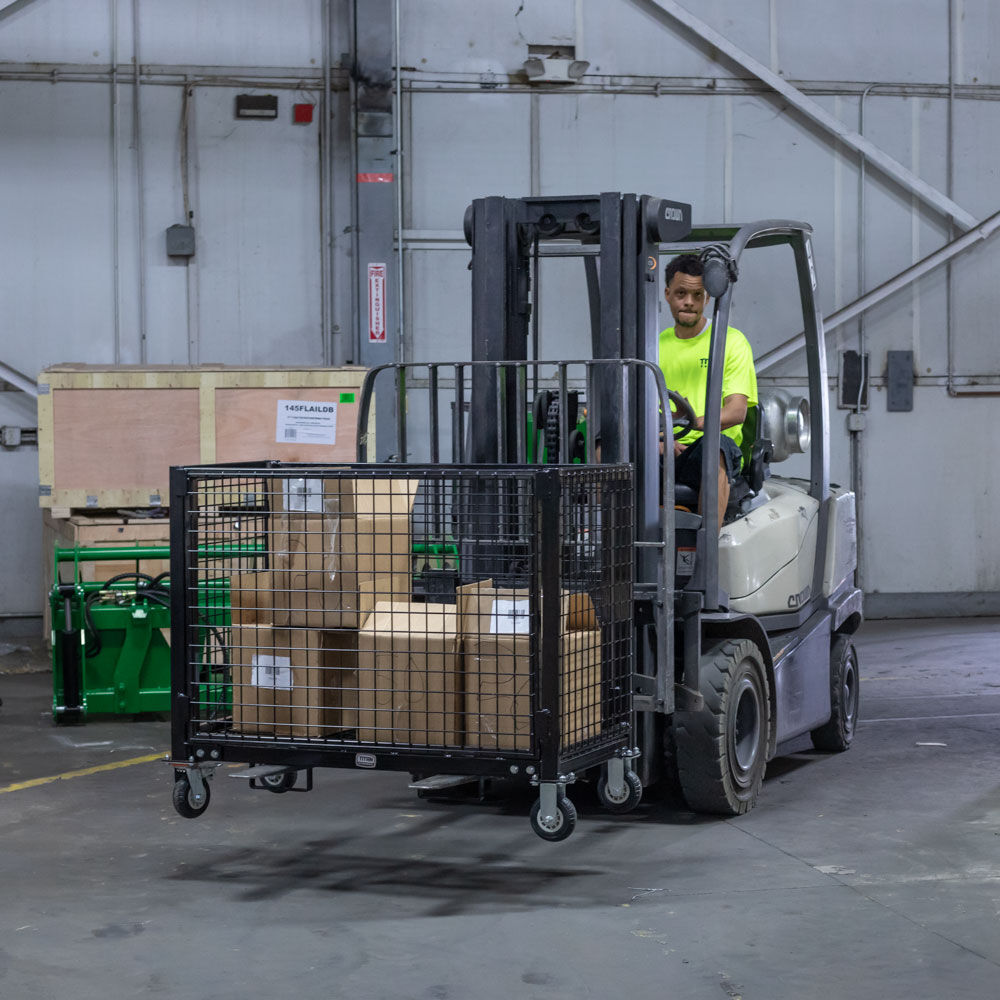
(401, 610)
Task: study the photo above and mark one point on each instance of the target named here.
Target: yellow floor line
(83, 772)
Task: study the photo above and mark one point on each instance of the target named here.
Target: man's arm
(734, 411)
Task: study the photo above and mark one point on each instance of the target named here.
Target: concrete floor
(874, 873)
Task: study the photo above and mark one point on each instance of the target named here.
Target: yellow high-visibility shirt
(685, 369)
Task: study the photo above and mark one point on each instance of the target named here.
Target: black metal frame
(198, 740)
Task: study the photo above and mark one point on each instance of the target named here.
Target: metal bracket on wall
(899, 381)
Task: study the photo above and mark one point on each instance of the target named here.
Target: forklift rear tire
(183, 802)
(722, 747)
(845, 699)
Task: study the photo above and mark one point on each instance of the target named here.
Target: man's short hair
(686, 263)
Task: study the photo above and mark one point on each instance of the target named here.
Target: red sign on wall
(376, 303)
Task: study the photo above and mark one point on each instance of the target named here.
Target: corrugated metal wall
(84, 275)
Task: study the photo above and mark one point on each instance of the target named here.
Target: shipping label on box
(409, 679)
(497, 658)
(277, 682)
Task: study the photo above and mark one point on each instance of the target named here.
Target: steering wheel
(684, 417)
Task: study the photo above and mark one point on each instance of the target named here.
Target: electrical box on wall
(180, 241)
(259, 106)
(899, 381)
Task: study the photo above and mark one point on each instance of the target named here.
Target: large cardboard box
(278, 688)
(494, 624)
(409, 675)
(347, 548)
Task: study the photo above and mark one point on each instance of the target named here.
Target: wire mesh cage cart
(452, 621)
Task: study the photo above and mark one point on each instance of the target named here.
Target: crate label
(510, 617)
(272, 671)
(306, 421)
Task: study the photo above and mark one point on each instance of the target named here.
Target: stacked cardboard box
(337, 546)
(409, 675)
(278, 683)
(344, 545)
(496, 643)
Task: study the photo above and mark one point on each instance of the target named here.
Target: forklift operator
(683, 358)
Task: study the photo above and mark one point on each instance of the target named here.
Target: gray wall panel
(978, 52)
(593, 142)
(55, 161)
(182, 32)
(860, 40)
(257, 183)
(464, 146)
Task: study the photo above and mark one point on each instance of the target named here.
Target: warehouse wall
(84, 275)
(662, 112)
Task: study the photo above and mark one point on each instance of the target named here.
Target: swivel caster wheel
(626, 800)
(558, 826)
(184, 801)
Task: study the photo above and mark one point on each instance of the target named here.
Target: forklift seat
(747, 484)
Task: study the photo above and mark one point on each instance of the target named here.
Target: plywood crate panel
(108, 436)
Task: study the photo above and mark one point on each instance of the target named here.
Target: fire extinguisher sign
(376, 303)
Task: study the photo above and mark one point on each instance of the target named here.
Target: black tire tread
(834, 737)
(700, 736)
(183, 804)
(569, 820)
(634, 785)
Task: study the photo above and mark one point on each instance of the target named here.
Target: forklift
(742, 631)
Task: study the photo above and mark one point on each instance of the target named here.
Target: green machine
(111, 639)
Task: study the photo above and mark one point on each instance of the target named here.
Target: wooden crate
(103, 530)
(108, 436)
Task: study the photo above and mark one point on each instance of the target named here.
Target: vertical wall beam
(379, 336)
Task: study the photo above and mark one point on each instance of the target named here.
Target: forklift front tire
(722, 747)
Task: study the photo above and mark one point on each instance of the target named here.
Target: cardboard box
(259, 597)
(409, 675)
(494, 624)
(340, 678)
(278, 686)
(341, 562)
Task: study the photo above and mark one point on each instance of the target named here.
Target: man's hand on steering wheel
(684, 417)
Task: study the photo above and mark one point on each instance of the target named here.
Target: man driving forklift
(683, 358)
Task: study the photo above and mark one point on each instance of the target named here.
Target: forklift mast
(618, 237)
